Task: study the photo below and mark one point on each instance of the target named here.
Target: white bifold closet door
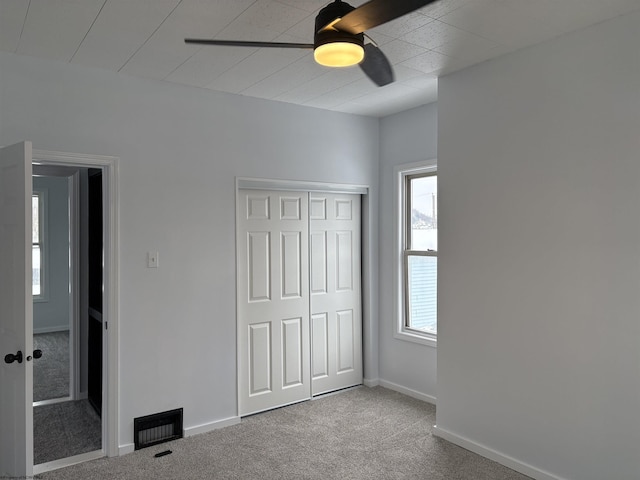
(299, 313)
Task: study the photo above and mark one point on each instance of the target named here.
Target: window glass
(37, 250)
(37, 255)
(424, 213)
(35, 224)
(422, 293)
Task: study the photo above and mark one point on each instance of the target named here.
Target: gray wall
(52, 313)
(406, 137)
(180, 150)
(539, 171)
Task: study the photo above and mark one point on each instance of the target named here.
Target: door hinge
(106, 325)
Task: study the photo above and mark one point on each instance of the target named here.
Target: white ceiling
(144, 38)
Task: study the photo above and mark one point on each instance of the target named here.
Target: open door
(16, 313)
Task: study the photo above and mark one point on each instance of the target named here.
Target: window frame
(402, 224)
(43, 201)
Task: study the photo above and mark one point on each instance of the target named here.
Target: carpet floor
(359, 434)
(65, 429)
(51, 372)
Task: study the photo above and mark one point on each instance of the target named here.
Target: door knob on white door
(36, 354)
(10, 357)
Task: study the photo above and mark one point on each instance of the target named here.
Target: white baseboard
(60, 328)
(371, 382)
(407, 391)
(494, 455)
(207, 427)
(189, 432)
(125, 449)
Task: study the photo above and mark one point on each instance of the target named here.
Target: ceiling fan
(339, 36)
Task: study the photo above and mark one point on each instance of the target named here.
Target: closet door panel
(336, 260)
(273, 299)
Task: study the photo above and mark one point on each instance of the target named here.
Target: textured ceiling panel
(145, 38)
(165, 50)
(55, 28)
(122, 27)
(12, 16)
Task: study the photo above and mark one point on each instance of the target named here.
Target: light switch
(152, 259)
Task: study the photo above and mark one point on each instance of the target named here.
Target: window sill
(409, 336)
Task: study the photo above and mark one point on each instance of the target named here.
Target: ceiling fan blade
(377, 12)
(376, 66)
(240, 43)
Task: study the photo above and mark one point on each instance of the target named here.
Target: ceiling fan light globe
(338, 54)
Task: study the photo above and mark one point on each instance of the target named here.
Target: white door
(16, 313)
(336, 318)
(273, 299)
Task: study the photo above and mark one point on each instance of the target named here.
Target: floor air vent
(157, 428)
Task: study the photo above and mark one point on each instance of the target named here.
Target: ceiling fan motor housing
(328, 14)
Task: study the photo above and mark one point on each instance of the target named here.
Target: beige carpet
(364, 433)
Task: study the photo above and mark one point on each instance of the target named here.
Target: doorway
(67, 277)
(90, 409)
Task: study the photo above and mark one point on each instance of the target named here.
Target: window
(38, 241)
(417, 252)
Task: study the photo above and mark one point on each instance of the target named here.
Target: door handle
(36, 354)
(10, 357)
